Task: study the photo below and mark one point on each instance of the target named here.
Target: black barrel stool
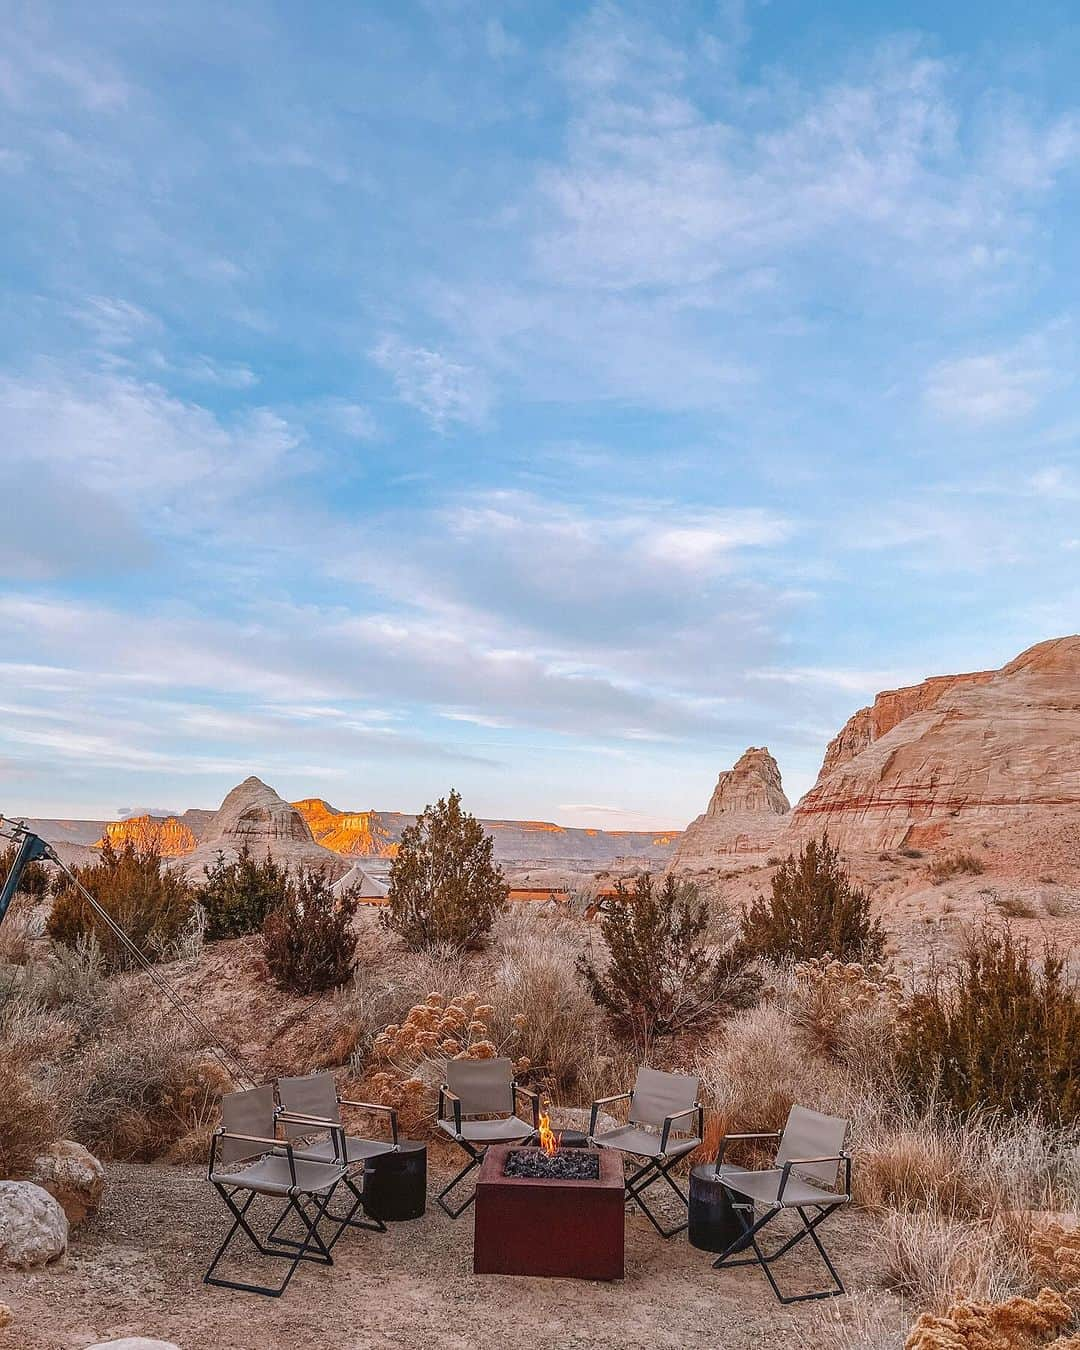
(395, 1183)
(715, 1220)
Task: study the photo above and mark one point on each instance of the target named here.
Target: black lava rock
(574, 1164)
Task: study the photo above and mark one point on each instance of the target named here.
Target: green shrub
(237, 896)
(814, 910)
(445, 886)
(307, 940)
(663, 977)
(997, 1028)
(150, 903)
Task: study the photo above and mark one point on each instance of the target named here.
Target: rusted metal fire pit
(562, 1215)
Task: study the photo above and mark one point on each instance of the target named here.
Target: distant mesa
(168, 835)
(746, 813)
(994, 753)
(362, 834)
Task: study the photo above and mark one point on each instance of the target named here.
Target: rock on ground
(73, 1176)
(134, 1343)
(33, 1227)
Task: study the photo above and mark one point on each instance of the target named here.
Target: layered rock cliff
(362, 834)
(168, 836)
(253, 815)
(746, 813)
(991, 755)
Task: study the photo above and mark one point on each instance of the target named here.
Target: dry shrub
(308, 942)
(1014, 1324)
(412, 1054)
(937, 1260)
(846, 1007)
(22, 924)
(29, 1119)
(140, 1084)
(151, 903)
(541, 1001)
(953, 864)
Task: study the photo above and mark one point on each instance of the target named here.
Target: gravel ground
(136, 1269)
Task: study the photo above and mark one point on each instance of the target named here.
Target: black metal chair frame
(656, 1168)
(474, 1150)
(341, 1146)
(310, 1248)
(809, 1225)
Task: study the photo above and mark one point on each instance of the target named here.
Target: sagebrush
(308, 942)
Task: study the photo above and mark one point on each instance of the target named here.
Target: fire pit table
(555, 1214)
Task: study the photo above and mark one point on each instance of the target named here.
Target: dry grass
(954, 864)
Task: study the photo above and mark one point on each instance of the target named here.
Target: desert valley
(954, 805)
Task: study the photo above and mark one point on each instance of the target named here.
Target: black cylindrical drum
(395, 1184)
(714, 1220)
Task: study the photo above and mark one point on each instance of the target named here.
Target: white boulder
(33, 1226)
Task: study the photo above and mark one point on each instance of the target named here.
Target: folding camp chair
(656, 1103)
(247, 1157)
(310, 1106)
(802, 1179)
(482, 1087)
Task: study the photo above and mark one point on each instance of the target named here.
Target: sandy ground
(136, 1269)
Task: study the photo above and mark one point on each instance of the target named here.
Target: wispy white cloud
(443, 390)
(996, 387)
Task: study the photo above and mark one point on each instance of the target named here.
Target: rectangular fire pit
(528, 1225)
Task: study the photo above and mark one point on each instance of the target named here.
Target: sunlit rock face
(746, 813)
(363, 834)
(992, 755)
(167, 836)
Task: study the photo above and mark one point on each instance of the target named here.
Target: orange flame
(549, 1140)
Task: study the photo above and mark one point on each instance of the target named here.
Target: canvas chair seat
(356, 1149)
(489, 1131)
(646, 1144)
(271, 1175)
(762, 1187)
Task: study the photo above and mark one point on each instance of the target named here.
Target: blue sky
(549, 401)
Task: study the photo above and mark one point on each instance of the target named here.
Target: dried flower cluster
(1055, 1256)
(831, 995)
(413, 1052)
(1016, 1324)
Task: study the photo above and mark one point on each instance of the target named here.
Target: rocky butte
(746, 814)
(991, 756)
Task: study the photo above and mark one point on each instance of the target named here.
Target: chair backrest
(485, 1086)
(313, 1095)
(658, 1095)
(809, 1134)
(248, 1112)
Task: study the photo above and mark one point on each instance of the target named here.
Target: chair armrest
(534, 1098)
(751, 1134)
(333, 1128)
(276, 1144)
(665, 1134)
(391, 1111)
(838, 1158)
(444, 1095)
(605, 1101)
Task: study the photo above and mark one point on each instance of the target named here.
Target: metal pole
(30, 850)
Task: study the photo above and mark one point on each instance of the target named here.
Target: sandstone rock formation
(33, 1229)
(746, 814)
(72, 1176)
(254, 815)
(363, 834)
(167, 835)
(994, 755)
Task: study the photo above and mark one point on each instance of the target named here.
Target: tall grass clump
(663, 977)
(151, 903)
(814, 910)
(997, 1028)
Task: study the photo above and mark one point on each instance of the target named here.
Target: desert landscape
(954, 810)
